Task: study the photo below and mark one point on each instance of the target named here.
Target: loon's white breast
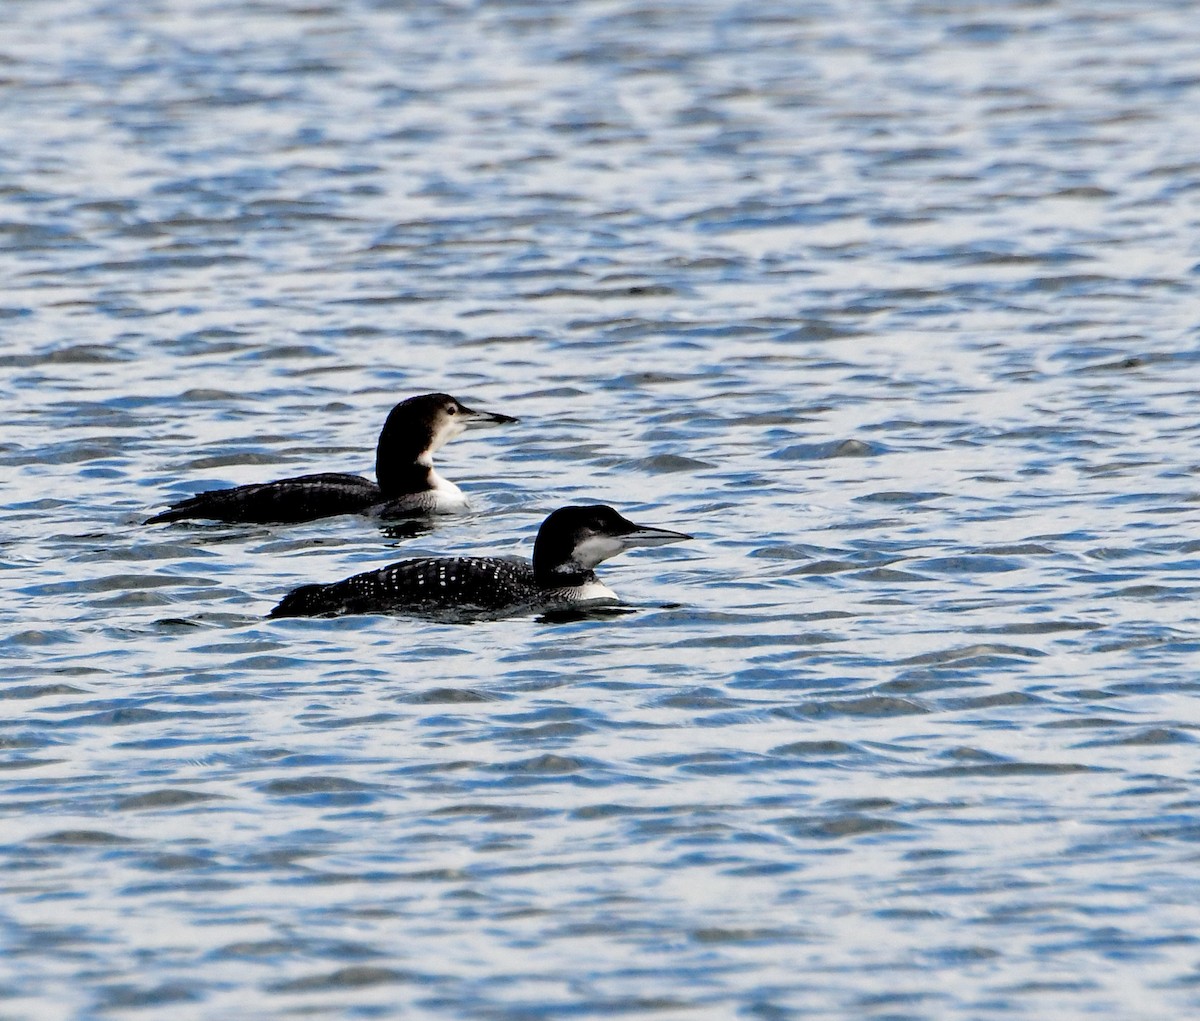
(590, 592)
(446, 497)
(441, 496)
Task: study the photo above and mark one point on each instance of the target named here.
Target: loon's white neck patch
(597, 548)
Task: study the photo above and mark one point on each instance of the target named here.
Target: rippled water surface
(892, 305)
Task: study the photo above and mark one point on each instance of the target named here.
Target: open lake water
(892, 304)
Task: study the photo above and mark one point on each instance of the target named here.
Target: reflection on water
(891, 306)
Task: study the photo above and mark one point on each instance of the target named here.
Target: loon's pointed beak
(647, 535)
(485, 417)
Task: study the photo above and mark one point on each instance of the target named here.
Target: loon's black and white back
(569, 545)
(407, 482)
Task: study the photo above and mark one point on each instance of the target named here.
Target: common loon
(408, 484)
(570, 543)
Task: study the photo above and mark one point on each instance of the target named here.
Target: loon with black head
(569, 545)
(407, 482)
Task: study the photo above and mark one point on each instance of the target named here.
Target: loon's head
(417, 427)
(573, 540)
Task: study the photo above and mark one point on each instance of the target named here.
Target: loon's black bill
(487, 417)
(645, 535)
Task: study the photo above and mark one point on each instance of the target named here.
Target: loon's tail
(180, 511)
(305, 601)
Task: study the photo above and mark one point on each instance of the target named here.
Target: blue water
(892, 305)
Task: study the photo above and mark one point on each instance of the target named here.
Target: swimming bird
(407, 485)
(569, 545)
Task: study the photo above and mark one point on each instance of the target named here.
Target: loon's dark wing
(303, 498)
(426, 585)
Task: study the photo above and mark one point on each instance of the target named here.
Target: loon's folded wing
(425, 585)
(303, 498)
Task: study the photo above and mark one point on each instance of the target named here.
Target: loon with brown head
(407, 482)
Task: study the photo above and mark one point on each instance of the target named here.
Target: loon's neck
(404, 454)
(575, 586)
(568, 575)
(399, 479)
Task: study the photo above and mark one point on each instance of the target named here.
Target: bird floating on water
(407, 482)
(561, 575)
